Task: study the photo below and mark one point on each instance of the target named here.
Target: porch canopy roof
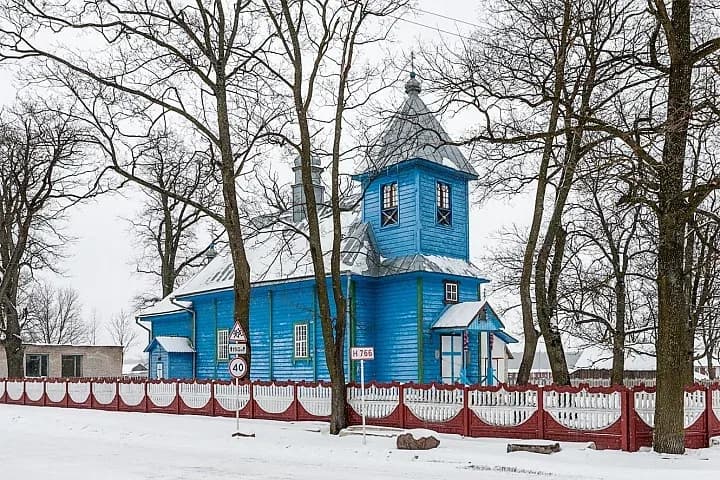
(171, 344)
(473, 317)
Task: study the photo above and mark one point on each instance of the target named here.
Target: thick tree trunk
(14, 349)
(617, 375)
(233, 227)
(711, 369)
(530, 332)
(545, 297)
(672, 343)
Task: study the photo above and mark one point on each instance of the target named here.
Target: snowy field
(67, 444)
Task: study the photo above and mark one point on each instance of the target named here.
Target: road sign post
(238, 366)
(362, 354)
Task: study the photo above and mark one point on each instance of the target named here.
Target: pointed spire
(413, 85)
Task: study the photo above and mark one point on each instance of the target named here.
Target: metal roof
(172, 344)
(415, 132)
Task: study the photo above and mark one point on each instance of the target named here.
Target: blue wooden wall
(436, 239)
(274, 311)
(417, 230)
(401, 238)
(178, 324)
(395, 329)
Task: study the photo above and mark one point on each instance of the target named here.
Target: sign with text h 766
(362, 353)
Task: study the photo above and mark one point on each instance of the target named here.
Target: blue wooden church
(414, 295)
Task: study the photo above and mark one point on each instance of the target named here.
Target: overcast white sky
(99, 265)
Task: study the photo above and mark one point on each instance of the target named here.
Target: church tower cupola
(415, 183)
(298, 208)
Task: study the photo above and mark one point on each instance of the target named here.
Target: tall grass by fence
(613, 417)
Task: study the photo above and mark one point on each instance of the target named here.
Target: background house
(50, 360)
(541, 374)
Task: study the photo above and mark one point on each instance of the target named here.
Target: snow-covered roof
(166, 305)
(600, 358)
(172, 344)
(279, 252)
(429, 263)
(459, 315)
(414, 132)
(474, 316)
(541, 362)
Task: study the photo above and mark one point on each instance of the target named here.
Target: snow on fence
(612, 417)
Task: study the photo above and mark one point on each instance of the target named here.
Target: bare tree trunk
(14, 349)
(530, 333)
(710, 367)
(546, 298)
(617, 375)
(672, 343)
(241, 282)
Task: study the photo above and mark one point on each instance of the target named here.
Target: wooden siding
(436, 239)
(395, 332)
(158, 355)
(399, 239)
(366, 313)
(177, 324)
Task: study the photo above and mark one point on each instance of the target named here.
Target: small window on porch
(451, 292)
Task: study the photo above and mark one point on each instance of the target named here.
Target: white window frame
(451, 292)
(223, 348)
(389, 211)
(300, 341)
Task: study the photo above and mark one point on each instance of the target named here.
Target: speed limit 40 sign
(238, 367)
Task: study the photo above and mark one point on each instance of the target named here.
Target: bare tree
(166, 228)
(54, 315)
(122, 330)
(43, 170)
(318, 42)
(93, 324)
(191, 63)
(610, 262)
(534, 76)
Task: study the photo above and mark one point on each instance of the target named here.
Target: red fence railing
(613, 417)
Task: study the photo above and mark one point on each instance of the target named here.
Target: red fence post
(401, 406)
(466, 411)
(541, 413)
(147, 400)
(624, 420)
(296, 401)
(251, 388)
(708, 414)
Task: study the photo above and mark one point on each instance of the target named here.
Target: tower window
(444, 208)
(389, 211)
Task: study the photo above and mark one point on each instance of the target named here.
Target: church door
(451, 357)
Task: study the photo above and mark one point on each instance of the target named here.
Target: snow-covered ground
(67, 444)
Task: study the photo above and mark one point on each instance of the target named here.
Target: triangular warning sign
(237, 334)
